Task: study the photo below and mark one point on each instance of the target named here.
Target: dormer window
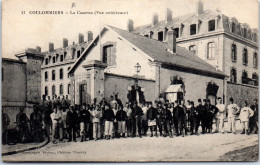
(211, 25)
(160, 36)
(61, 58)
(192, 48)
(78, 53)
(233, 27)
(245, 33)
(53, 59)
(192, 29)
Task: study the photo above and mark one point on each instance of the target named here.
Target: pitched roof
(159, 51)
(176, 21)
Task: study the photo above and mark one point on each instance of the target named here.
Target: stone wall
(241, 93)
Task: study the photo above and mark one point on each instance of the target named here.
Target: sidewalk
(20, 147)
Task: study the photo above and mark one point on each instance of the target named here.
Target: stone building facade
(165, 70)
(56, 64)
(221, 41)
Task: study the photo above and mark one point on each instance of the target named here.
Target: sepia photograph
(130, 81)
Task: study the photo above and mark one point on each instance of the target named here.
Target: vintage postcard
(130, 80)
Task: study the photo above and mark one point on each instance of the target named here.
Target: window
(176, 32)
(211, 50)
(234, 52)
(233, 75)
(68, 72)
(53, 75)
(160, 36)
(57, 57)
(244, 77)
(68, 88)
(245, 56)
(61, 89)
(46, 61)
(82, 50)
(192, 48)
(46, 76)
(211, 25)
(73, 53)
(255, 79)
(245, 32)
(146, 35)
(53, 59)
(78, 53)
(255, 61)
(53, 90)
(107, 52)
(192, 29)
(61, 73)
(61, 58)
(233, 27)
(46, 91)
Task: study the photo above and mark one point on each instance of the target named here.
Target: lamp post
(137, 69)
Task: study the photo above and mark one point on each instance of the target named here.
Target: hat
(204, 100)
(199, 100)
(231, 99)
(159, 102)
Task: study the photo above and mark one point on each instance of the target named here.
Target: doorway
(82, 94)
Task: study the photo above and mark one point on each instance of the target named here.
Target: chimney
(65, 42)
(81, 38)
(130, 25)
(38, 48)
(172, 40)
(168, 15)
(199, 9)
(90, 36)
(155, 19)
(51, 47)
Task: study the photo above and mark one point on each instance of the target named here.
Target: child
(244, 116)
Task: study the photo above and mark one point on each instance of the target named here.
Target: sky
(21, 31)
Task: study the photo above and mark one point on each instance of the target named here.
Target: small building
(21, 83)
(108, 67)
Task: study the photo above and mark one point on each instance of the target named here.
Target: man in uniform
(84, 122)
(180, 116)
(167, 121)
(72, 120)
(22, 123)
(211, 111)
(194, 119)
(204, 116)
(5, 123)
(151, 117)
(159, 117)
(36, 124)
(253, 121)
(136, 119)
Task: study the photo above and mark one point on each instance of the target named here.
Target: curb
(27, 149)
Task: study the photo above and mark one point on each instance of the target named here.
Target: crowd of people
(57, 120)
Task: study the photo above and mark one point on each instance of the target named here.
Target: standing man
(194, 119)
(159, 117)
(22, 123)
(253, 121)
(244, 116)
(128, 111)
(84, 119)
(233, 110)
(36, 124)
(204, 116)
(136, 119)
(72, 120)
(121, 118)
(55, 117)
(151, 117)
(220, 116)
(5, 123)
(97, 115)
(109, 118)
(167, 121)
(63, 124)
(211, 111)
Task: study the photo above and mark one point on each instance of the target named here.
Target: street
(208, 147)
